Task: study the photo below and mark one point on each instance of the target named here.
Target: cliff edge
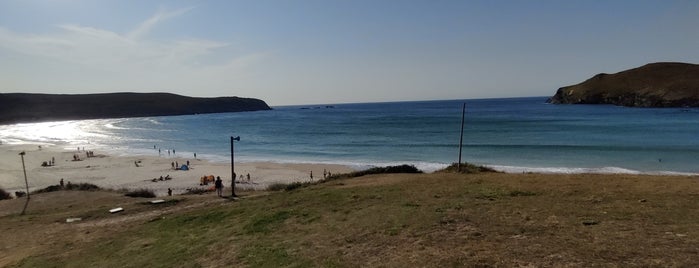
(27, 107)
(662, 84)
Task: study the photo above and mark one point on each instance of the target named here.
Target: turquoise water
(514, 135)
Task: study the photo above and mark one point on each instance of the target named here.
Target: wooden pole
(233, 166)
(26, 182)
(461, 137)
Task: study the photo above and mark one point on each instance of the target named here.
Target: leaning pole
(461, 137)
(233, 166)
(26, 182)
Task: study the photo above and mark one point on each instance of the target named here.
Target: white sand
(120, 172)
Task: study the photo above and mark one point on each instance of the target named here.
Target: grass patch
(429, 220)
(288, 186)
(267, 222)
(141, 193)
(522, 193)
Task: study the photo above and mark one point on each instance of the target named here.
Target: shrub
(141, 193)
(51, 188)
(4, 195)
(378, 170)
(276, 187)
(467, 168)
(82, 187)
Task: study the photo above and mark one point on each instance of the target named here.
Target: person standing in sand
(219, 186)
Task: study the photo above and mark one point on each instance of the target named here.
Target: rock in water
(663, 84)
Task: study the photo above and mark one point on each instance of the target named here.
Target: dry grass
(395, 220)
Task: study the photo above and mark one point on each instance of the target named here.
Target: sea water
(513, 135)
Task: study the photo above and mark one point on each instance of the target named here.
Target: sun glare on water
(70, 132)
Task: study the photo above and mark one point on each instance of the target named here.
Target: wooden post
(233, 166)
(461, 137)
(26, 182)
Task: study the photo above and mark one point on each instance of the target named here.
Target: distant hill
(663, 84)
(26, 107)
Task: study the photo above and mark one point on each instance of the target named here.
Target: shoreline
(118, 172)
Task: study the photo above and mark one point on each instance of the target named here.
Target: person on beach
(53, 161)
(219, 186)
(61, 183)
(169, 191)
(187, 163)
(311, 175)
(248, 177)
(168, 152)
(172, 165)
(173, 151)
(195, 155)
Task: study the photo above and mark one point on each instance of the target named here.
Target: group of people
(88, 154)
(176, 165)
(49, 163)
(166, 178)
(241, 178)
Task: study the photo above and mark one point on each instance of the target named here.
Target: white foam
(575, 170)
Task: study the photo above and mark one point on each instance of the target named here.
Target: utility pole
(461, 138)
(26, 182)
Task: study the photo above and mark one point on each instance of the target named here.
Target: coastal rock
(663, 84)
(26, 107)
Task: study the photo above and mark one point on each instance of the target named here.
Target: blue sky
(308, 52)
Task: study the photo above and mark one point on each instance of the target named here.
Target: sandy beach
(117, 172)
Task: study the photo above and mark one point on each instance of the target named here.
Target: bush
(467, 168)
(378, 170)
(276, 187)
(141, 193)
(4, 195)
(81, 187)
(51, 188)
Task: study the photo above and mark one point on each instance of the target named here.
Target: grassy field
(399, 220)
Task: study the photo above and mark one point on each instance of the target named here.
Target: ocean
(512, 135)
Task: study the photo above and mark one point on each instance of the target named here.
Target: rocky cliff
(24, 107)
(663, 84)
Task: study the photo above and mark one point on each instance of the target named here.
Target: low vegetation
(69, 187)
(197, 191)
(4, 195)
(466, 168)
(406, 169)
(394, 220)
(147, 193)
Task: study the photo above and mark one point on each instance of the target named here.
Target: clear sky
(334, 51)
